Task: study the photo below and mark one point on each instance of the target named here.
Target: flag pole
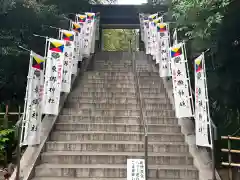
(36, 35)
(210, 121)
(24, 48)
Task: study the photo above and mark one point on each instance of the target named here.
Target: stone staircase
(99, 127)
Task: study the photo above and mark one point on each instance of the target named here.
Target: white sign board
(136, 169)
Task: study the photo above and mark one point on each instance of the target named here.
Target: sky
(131, 1)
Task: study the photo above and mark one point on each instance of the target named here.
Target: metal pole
(18, 144)
(213, 154)
(146, 155)
(5, 126)
(101, 42)
(144, 123)
(229, 159)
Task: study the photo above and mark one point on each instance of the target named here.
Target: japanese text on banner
(77, 48)
(202, 121)
(163, 56)
(181, 86)
(53, 76)
(67, 36)
(33, 106)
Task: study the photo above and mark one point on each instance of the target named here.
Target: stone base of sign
(31, 156)
(202, 159)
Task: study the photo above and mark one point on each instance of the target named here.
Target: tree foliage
(19, 21)
(214, 24)
(119, 39)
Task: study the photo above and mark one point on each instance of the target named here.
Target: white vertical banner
(89, 32)
(175, 39)
(32, 115)
(152, 29)
(77, 46)
(163, 55)
(85, 33)
(81, 20)
(97, 25)
(143, 28)
(181, 82)
(162, 33)
(155, 37)
(68, 37)
(202, 115)
(53, 76)
(147, 41)
(136, 169)
(141, 18)
(91, 18)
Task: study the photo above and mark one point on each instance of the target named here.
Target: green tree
(19, 21)
(119, 39)
(215, 25)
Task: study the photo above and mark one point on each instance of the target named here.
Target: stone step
(108, 81)
(112, 65)
(114, 105)
(105, 69)
(130, 100)
(114, 62)
(99, 112)
(121, 85)
(114, 136)
(113, 100)
(110, 60)
(143, 68)
(106, 93)
(152, 100)
(109, 78)
(81, 105)
(116, 127)
(118, 68)
(156, 79)
(115, 90)
(148, 74)
(113, 171)
(109, 64)
(153, 90)
(102, 94)
(149, 81)
(114, 119)
(117, 112)
(107, 74)
(93, 157)
(116, 146)
(115, 94)
(69, 178)
(112, 85)
(103, 90)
